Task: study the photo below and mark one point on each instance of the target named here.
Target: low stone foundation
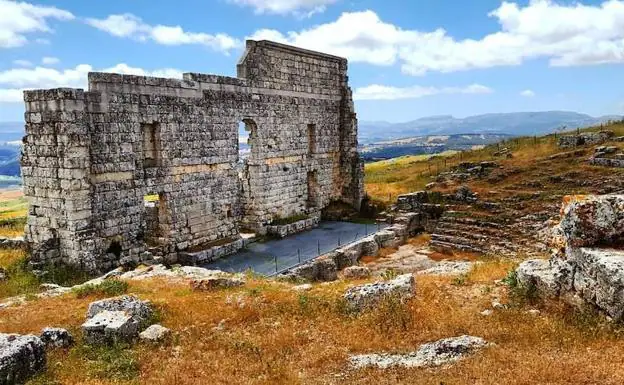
(585, 138)
(607, 162)
(283, 231)
(326, 267)
(210, 254)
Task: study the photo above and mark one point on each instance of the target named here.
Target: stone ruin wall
(90, 158)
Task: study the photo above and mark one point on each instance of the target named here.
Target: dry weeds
(272, 335)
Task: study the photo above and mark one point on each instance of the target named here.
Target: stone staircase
(481, 229)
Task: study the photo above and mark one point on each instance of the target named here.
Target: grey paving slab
(278, 254)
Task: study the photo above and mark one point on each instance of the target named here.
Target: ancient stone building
(141, 165)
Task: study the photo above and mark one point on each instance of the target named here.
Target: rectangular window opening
(311, 138)
(151, 144)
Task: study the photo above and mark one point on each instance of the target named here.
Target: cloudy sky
(407, 59)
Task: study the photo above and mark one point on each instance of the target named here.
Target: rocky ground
(416, 313)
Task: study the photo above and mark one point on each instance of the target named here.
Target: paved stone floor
(278, 254)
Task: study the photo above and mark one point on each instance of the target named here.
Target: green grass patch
(108, 287)
(115, 362)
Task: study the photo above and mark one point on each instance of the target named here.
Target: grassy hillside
(385, 180)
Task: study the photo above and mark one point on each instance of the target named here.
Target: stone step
(470, 221)
(442, 246)
(467, 234)
(484, 242)
(489, 231)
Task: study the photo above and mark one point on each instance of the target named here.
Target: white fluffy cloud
(19, 19)
(131, 26)
(283, 7)
(527, 93)
(381, 92)
(18, 79)
(22, 63)
(566, 35)
(48, 60)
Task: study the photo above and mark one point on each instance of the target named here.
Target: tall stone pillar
(56, 175)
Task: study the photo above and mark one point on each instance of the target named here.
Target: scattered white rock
(487, 312)
(364, 296)
(155, 333)
(356, 272)
(220, 326)
(21, 357)
(436, 353)
(498, 306)
(534, 312)
(56, 338)
(303, 287)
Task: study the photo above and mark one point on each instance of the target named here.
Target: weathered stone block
(21, 357)
(110, 327)
(366, 296)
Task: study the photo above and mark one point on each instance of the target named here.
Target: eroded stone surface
(21, 357)
(593, 275)
(365, 296)
(139, 310)
(356, 272)
(442, 352)
(57, 337)
(109, 327)
(593, 220)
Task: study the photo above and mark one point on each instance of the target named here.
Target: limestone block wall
(138, 163)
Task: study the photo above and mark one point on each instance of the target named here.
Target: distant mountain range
(430, 144)
(515, 123)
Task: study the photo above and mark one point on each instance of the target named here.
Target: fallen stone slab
(448, 268)
(161, 271)
(365, 296)
(21, 357)
(442, 352)
(215, 283)
(140, 311)
(548, 277)
(57, 338)
(110, 327)
(356, 272)
(155, 333)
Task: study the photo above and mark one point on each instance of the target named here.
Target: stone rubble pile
(588, 264)
(608, 156)
(442, 352)
(585, 138)
(466, 171)
(366, 296)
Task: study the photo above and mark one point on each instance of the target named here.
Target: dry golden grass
(272, 335)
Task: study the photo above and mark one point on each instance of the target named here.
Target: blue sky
(408, 59)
